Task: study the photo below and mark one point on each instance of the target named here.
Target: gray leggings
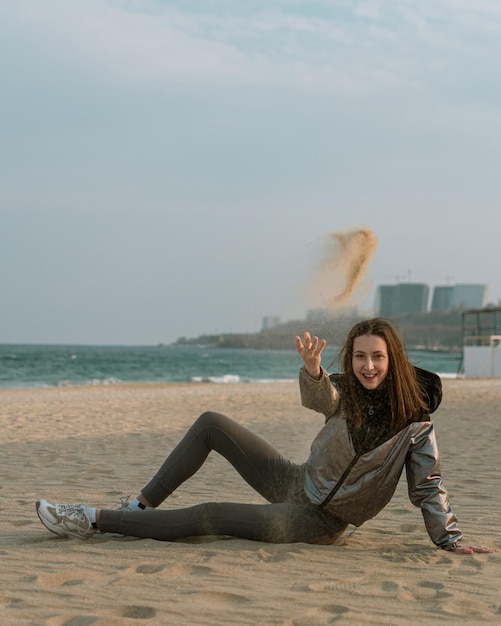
(288, 518)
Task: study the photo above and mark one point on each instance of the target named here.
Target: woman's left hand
(472, 549)
(310, 350)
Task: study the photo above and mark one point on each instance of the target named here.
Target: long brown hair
(407, 399)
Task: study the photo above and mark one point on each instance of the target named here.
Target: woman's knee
(210, 419)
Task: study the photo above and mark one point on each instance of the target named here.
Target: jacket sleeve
(319, 395)
(425, 487)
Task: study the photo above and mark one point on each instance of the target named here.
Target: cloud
(123, 44)
(339, 47)
(487, 8)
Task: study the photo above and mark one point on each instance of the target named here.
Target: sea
(36, 366)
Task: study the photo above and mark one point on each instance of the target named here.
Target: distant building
(270, 321)
(442, 298)
(402, 298)
(386, 296)
(326, 315)
(461, 296)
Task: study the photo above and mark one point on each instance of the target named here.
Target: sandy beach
(95, 444)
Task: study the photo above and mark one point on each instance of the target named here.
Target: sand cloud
(345, 258)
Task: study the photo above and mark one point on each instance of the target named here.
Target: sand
(94, 444)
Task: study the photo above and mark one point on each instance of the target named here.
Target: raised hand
(310, 350)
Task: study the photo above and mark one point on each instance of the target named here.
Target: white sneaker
(67, 520)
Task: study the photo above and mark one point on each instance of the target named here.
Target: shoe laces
(123, 504)
(73, 511)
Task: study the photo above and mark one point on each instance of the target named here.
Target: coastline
(96, 443)
(40, 367)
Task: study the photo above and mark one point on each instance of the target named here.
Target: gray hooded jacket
(354, 487)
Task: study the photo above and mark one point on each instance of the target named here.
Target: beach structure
(481, 340)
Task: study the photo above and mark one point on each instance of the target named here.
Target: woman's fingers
(305, 343)
(310, 346)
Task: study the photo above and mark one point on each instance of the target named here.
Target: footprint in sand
(78, 620)
(137, 612)
(409, 528)
(124, 612)
(22, 522)
(270, 557)
(148, 568)
(395, 557)
(181, 569)
(390, 586)
(351, 586)
(424, 590)
(63, 579)
(6, 603)
(220, 598)
(326, 614)
(429, 590)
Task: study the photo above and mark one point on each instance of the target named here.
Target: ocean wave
(93, 381)
(225, 379)
(233, 379)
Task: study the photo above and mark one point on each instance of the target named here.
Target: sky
(173, 169)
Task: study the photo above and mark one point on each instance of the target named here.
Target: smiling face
(370, 360)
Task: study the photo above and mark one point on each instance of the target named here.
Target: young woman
(377, 422)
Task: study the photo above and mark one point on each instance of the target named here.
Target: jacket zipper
(344, 476)
(339, 483)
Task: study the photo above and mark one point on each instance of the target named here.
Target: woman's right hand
(310, 350)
